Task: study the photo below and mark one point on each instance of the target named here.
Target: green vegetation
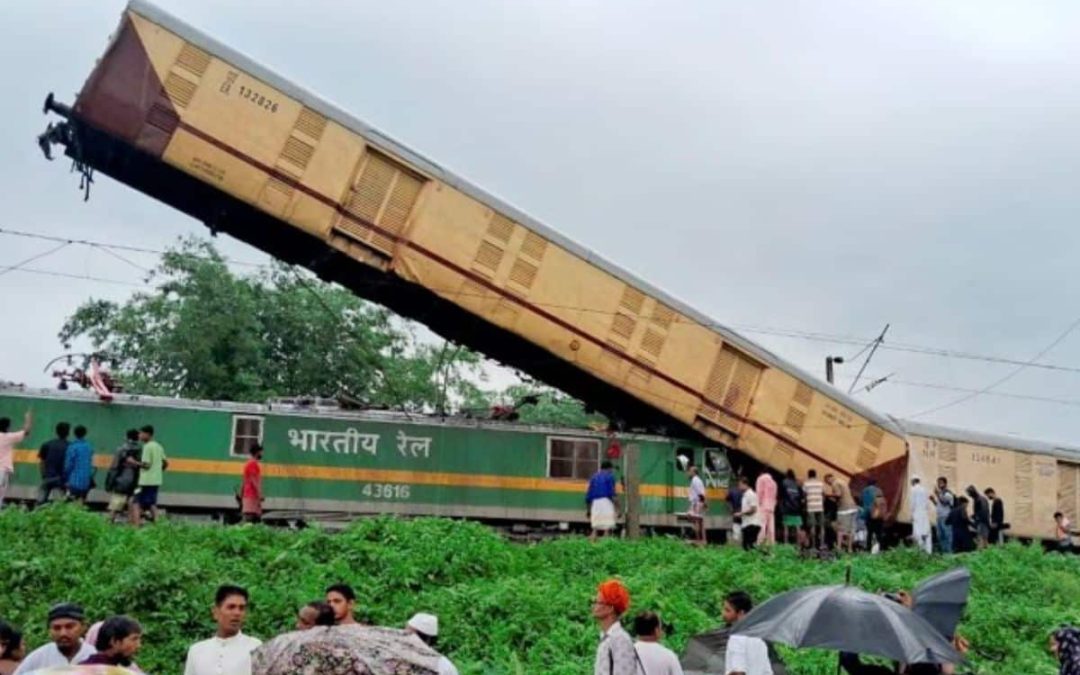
(203, 331)
(504, 607)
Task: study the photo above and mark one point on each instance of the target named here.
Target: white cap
(428, 624)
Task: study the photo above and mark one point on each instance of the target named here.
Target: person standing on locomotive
(600, 501)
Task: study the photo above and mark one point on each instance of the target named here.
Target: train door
(1069, 490)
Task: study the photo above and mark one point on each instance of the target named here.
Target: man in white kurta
(229, 651)
(920, 516)
(66, 645)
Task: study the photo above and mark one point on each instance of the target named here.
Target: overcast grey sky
(822, 167)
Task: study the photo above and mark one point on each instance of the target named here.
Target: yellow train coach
(188, 120)
(1033, 479)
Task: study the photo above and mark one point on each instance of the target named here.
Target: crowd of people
(118, 640)
(824, 514)
(66, 463)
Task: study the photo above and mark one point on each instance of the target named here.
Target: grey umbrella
(941, 599)
(850, 620)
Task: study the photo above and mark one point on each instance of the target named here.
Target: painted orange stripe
(312, 472)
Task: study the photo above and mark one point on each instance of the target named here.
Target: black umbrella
(705, 653)
(941, 599)
(850, 620)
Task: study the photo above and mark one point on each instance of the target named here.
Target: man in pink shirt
(766, 492)
(8, 441)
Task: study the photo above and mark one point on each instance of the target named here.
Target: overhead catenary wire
(1001, 380)
(781, 332)
(792, 333)
(39, 256)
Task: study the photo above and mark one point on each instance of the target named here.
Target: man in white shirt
(920, 516)
(750, 514)
(615, 655)
(229, 651)
(67, 623)
(698, 505)
(8, 440)
(745, 655)
(655, 658)
(426, 629)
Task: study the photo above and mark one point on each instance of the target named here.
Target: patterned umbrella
(345, 650)
(83, 670)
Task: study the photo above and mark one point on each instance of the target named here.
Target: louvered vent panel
(523, 273)
(794, 422)
(784, 451)
(873, 436)
(632, 300)
(737, 397)
(311, 124)
(354, 229)
(803, 395)
(653, 342)
(623, 326)
(371, 189)
(193, 60)
(298, 152)
(1024, 488)
(663, 316)
(1068, 475)
(488, 257)
(180, 90)
(401, 202)
(719, 375)
(500, 228)
(280, 187)
(534, 246)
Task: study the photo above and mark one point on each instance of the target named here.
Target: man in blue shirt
(600, 500)
(79, 466)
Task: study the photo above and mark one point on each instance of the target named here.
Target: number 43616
(385, 491)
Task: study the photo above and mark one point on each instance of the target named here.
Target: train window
(577, 458)
(684, 457)
(247, 430)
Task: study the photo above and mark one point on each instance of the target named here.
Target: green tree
(539, 404)
(206, 332)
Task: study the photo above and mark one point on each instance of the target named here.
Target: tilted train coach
(176, 114)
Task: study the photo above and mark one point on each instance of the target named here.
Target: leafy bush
(505, 608)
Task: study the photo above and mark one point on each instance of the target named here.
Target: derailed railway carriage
(187, 120)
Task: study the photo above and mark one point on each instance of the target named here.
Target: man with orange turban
(616, 654)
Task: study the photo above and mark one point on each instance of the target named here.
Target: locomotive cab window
(247, 430)
(716, 461)
(577, 458)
